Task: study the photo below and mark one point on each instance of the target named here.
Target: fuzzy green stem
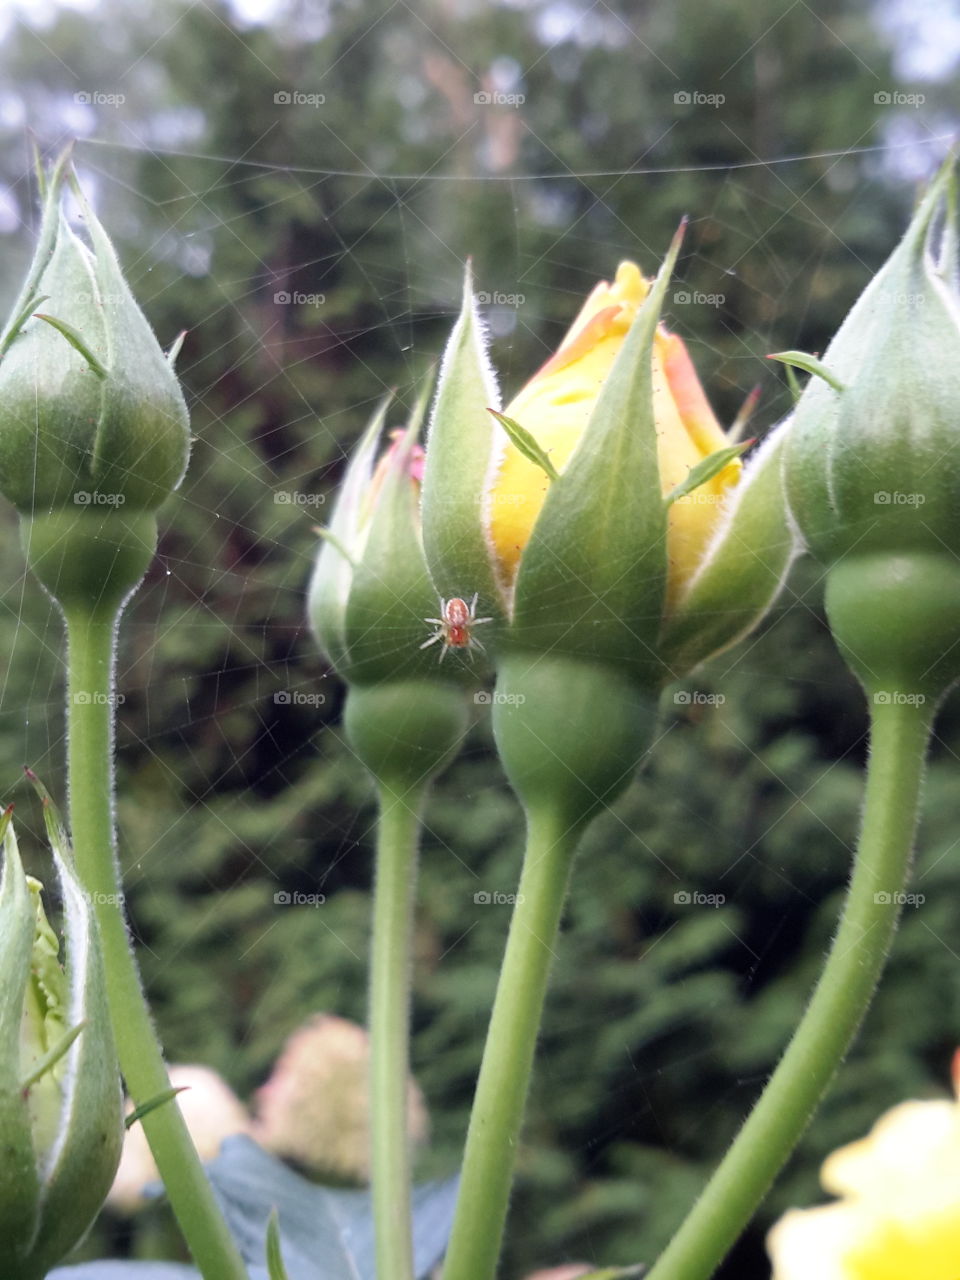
(501, 1093)
(898, 745)
(397, 843)
(90, 701)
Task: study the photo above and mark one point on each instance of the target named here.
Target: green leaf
(809, 364)
(706, 469)
(324, 1232)
(151, 1104)
(75, 340)
(274, 1256)
(527, 445)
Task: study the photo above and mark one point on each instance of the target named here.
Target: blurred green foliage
(664, 1017)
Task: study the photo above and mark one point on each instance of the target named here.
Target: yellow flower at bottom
(900, 1215)
(555, 407)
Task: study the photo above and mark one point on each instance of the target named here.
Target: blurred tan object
(570, 1271)
(314, 1108)
(212, 1112)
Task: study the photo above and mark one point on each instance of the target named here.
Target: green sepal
(75, 340)
(333, 570)
(809, 364)
(592, 578)
(706, 469)
(78, 1170)
(151, 1104)
(459, 466)
(20, 1185)
(526, 444)
(391, 594)
(742, 570)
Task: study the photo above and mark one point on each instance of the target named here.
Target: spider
(454, 626)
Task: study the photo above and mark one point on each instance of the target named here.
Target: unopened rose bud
(60, 1115)
(93, 426)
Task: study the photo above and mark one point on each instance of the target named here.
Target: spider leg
(433, 639)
